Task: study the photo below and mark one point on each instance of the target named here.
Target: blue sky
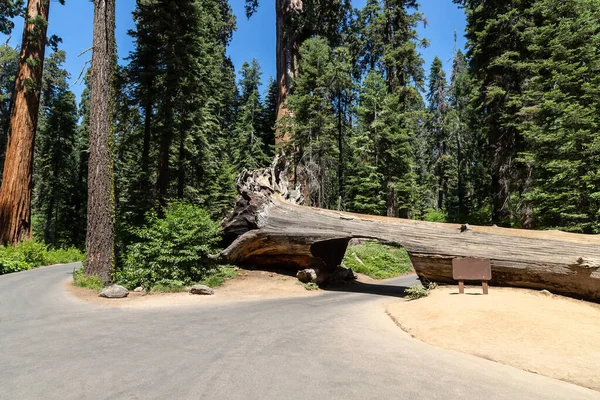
(253, 39)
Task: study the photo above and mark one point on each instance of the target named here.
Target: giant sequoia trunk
(100, 228)
(268, 227)
(287, 57)
(15, 195)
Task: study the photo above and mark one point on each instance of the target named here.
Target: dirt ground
(531, 330)
(248, 285)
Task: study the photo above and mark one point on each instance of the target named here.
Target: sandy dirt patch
(549, 335)
(249, 285)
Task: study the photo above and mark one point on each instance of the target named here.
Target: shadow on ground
(368, 288)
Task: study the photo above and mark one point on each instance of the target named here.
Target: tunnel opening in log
(378, 259)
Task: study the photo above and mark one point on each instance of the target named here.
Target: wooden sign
(471, 269)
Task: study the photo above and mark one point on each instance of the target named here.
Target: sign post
(471, 269)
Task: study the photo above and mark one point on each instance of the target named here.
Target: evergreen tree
(100, 217)
(498, 53)
(320, 121)
(15, 192)
(56, 161)
(561, 116)
(249, 151)
(470, 201)
(80, 188)
(441, 161)
(268, 119)
(182, 86)
(8, 10)
(365, 182)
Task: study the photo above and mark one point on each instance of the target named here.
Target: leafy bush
(64, 256)
(88, 282)
(419, 291)
(433, 215)
(311, 286)
(172, 250)
(8, 266)
(32, 254)
(379, 261)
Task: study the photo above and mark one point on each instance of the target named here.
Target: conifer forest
(506, 133)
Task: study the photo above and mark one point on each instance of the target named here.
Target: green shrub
(64, 256)
(32, 254)
(172, 250)
(88, 282)
(419, 291)
(433, 215)
(379, 261)
(311, 286)
(8, 266)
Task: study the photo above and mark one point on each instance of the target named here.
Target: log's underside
(269, 228)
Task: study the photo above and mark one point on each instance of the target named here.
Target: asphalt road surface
(337, 345)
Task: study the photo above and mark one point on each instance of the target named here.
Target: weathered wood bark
(100, 228)
(269, 227)
(15, 194)
(287, 57)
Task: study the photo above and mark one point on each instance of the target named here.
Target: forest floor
(535, 331)
(248, 285)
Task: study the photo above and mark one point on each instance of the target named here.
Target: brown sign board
(471, 269)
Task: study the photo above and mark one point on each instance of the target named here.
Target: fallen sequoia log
(270, 228)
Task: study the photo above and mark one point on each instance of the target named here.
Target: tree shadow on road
(368, 288)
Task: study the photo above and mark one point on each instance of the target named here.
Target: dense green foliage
(535, 65)
(32, 254)
(57, 192)
(379, 261)
(87, 281)
(171, 250)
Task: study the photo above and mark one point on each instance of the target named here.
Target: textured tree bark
(100, 227)
(268, 227)
(15, 194)
(287, 55)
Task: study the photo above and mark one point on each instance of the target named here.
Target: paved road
(338, 345)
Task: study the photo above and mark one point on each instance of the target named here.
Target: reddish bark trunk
(287, 56)
(100, 228)
(15, 194)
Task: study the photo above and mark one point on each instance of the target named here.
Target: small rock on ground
(114, 292)
(139, 289)
(202, 289)
(307, 275)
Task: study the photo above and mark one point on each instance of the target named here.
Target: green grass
(32, 254)
(379, 261)
(219, 277)
(311, 286)
(88, 282)
(168, 288)
(215, 279)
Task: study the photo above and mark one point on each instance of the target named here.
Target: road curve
(337, 345)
